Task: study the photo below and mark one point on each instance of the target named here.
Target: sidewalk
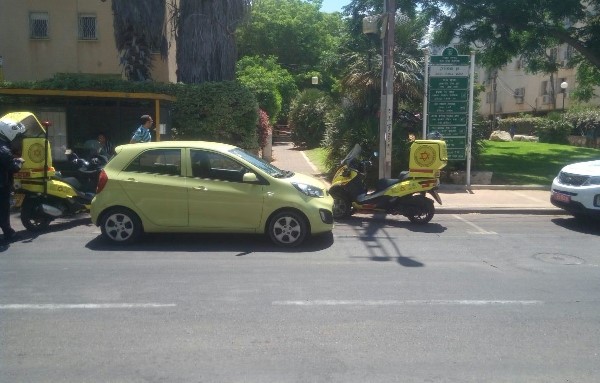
(484, 199)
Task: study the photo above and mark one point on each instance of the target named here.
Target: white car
(576, 189)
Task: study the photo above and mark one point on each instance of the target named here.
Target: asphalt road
(467, 298)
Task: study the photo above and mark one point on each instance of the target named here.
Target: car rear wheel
(288, 229)
(121, 226)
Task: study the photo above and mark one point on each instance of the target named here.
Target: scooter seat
(384, 183)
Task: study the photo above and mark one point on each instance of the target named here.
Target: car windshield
(263, 165)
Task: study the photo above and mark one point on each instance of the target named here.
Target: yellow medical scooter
(41, 193)
(405, 195)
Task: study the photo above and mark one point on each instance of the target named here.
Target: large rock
(521, 137)
(500, 135)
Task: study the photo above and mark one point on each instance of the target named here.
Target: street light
(564, 85)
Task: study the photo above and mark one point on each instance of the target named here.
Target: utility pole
(386, 110)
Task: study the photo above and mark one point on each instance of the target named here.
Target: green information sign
(448, 95)
(445, 119)
(449, 83)
(448, 101)
(449, 107)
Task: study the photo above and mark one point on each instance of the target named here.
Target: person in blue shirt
(142, 134)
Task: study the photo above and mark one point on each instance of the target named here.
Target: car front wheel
(288, 229)
(121, 226)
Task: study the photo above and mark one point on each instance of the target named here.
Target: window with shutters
(38, 25)
(87, 27)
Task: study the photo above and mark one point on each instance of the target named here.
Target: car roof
(176, 144)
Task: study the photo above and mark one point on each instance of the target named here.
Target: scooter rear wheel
(342, 206)
(421, 213)
(32, 218)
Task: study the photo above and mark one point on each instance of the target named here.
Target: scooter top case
(427, 158)
(33, 147)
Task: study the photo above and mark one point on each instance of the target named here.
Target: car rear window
(157, 161)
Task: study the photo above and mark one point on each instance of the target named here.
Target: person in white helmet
(9, 165)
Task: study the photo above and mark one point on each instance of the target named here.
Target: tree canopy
(504, 29)
(293, 31)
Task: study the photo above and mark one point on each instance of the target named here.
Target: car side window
(210, 165)
(157, 161)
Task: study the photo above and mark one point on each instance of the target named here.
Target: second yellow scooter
(405, 195)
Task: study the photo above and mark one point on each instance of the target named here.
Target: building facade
(39, 38)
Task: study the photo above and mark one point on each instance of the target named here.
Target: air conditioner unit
(519, 92)
(546, 99)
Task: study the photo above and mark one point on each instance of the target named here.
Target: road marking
(405, 303)
(479, 229)
(523, 195)
(53, 306)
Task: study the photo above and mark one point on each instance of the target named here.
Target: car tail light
(102, 180)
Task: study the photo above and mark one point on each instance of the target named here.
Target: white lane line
(523, 195)
(53, 306)
(406, 303)
(479, 229)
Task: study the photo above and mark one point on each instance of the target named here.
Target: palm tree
(206, 49)
(139, 27)
(362, 78)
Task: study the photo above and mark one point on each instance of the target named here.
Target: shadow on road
(244, 244)
(383, 245)
(580, 225)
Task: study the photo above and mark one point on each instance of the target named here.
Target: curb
(493, 187)
(501, 210)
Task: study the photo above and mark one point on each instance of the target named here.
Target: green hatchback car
(206, 187)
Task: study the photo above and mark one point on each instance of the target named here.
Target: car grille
(572, 179)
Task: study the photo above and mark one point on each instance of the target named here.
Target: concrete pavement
(484, 199)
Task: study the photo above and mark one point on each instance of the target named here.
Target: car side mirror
(250, 178)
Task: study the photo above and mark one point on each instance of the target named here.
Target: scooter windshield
(354, 153)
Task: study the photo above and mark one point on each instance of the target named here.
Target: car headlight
(592, 181)
(309, 190)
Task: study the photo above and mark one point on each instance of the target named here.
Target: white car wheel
(121, 226)
(288, 229)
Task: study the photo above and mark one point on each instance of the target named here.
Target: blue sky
(334, 5)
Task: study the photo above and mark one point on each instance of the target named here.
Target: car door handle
(131, 180)
(201, 188)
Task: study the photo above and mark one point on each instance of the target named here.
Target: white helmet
(9, 129)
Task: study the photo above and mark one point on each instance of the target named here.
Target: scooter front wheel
(32, 217)
(423, 213)
(342, 206)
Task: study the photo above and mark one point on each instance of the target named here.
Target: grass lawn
(317, 157)
(529, 163)
(513, 163)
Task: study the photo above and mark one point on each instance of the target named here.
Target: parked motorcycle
(405, 195)
(42, 193)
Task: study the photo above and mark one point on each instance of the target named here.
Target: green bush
(308, 118)
(218, 111)
(526, 125)
(224, 111)
(554, 132)
(273, 86)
